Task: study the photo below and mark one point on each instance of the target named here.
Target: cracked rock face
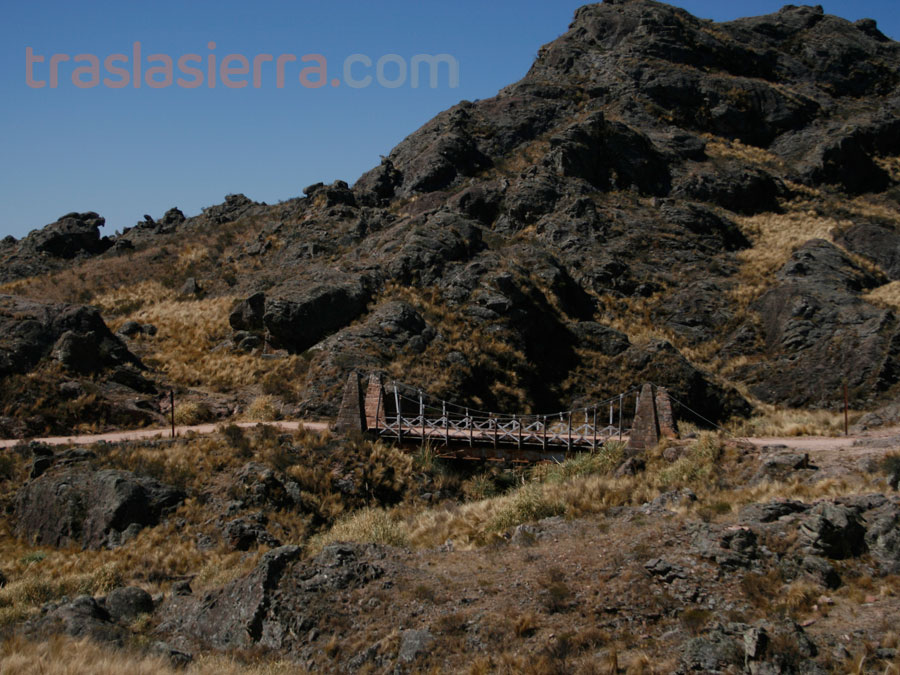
(77, 506)
(275, 605)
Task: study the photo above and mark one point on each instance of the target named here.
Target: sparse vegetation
(556, 251)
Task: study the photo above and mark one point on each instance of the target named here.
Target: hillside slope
(710, 206)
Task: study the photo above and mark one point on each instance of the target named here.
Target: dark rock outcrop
(77, 337)
(815, 327)
(128, 602)
(274, 606)
(77, 506)
(71, 235)
(83, 617)
(298, 316)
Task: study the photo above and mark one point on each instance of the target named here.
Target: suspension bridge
(405, 415)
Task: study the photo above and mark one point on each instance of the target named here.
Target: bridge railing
(568, 430)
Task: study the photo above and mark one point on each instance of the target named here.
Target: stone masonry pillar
(374, 403)
(351, 415)
(645, 430)
(664, 415)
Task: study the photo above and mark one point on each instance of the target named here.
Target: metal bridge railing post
(594, 432)
(544, 433)
(621, 404)
(399, 415)
(518, 426)
(422, 415)
(569, 445)
(378, 406)
(446, 425)
(493, 427)
(471, 426)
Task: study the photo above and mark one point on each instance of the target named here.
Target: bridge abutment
(653, 419)
(351, 415)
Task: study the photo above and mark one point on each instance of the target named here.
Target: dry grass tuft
(771, 421)
(885, 296)
(369, 525)
(59, 655)
(187, 346)
(774, 237)
(723, 148)
(264, 408)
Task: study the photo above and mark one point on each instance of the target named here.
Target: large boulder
(733, 188)
(235, 616)
(609, 155)
(83, 617)
(248, 314)
(298, 314)
(420, 252)
(78, 506)
(128, 602)
(883, 536)
(879, 242)
(76, 336)
(833, 531)
(71, 235)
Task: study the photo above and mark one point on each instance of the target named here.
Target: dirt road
(159, 433)
(838, 455)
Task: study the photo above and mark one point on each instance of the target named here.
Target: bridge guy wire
(424, 399)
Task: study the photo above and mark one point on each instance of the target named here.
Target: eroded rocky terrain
(709, 206)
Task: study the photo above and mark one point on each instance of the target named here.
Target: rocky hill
(711, 206)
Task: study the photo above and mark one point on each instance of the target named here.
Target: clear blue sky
(125, 152)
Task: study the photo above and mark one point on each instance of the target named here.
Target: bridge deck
(458, 431)
(496, 438)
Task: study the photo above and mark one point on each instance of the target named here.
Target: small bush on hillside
(526, 505)
(189, 413)
(264, 409)
(368, 525)
(480, 486)
(234, 436)
(698, 464)
(695, 619)
(890, 465)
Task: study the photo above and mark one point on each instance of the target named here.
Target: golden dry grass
(811, 214)
(41, 574)
(264, 408)
(188, 332)
(771, 421)
(368, 525)
(60, 655)
(579, 487)
(774, 237)
(723, 148)
(885, 296)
